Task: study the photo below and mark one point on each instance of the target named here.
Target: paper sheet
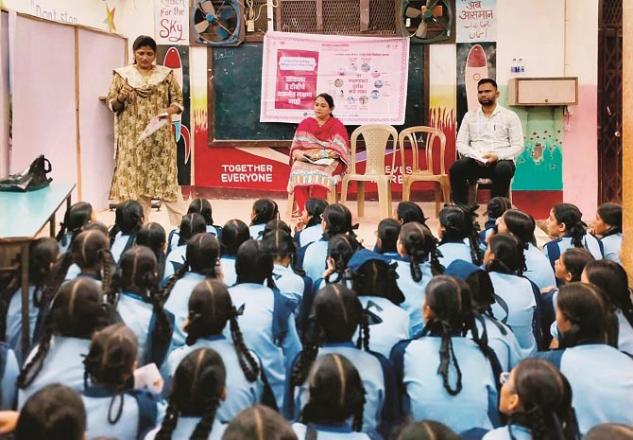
(154, 124)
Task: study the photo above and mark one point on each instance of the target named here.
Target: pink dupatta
(331, 136)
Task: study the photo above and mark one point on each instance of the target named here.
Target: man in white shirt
(489, 140)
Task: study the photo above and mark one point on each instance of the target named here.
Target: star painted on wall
(109, 20)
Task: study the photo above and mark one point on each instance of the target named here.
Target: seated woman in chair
(318, 154)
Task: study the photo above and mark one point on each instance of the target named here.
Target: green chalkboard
(236, 85)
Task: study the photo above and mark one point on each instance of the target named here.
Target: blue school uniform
(268, 326)
(423, 393)
(314, 259)
(601, 379)
(137, 313)
(538, 268)
(331, 432)
(227, 263)
(121, 244)
(413, 293)
(309, 235)
(516, 306)
(501, 340)
(9, 372)
(485, 235)
(178, 305)
(240, 393)
(175, 260)
(452, 251)
(289, 283)
(375, 371)
(257, 231)
(174, 236)
(64, 243)
(185, 427)
(13, 333)
(612, 244)
(625, 333)
(555, 248)
(510, 432)
(388, 324)
(64, 363)
(139, 415)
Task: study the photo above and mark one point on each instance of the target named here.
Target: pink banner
(366, 76)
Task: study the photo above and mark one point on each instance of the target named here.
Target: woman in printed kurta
(323, 138)
(147, 169)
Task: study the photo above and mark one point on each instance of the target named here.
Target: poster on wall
(367, 77)
(172, 22)
(177, 59)
(474, 62)
(476, 21)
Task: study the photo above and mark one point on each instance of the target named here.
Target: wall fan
(217, 22)
(427, 21)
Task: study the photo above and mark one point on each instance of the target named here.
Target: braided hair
(377, 278)
(202, 254)
(337, 219)
(78, 216)
(504, 255)
(545, 397)
(128, 219)
(259, 422)
(388, 231)
(110, 363)
(276, 224)
(280, 244)
(137, 274)
(154, 237)
(497, 206)
(210, 307)
(569, 215)
(190, 225)
(254, 264)
(612, 279)
(336, 392)
(336, 314)
(197, 390)
(519, 224)
(234, 233)
(419, 245)
(410, 212)
(264, 210)
(340, 248)
(458, 224)
(77, 311)
(202, 207)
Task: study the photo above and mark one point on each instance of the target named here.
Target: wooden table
(23, 215)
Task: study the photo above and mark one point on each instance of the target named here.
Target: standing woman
(318, 137)
(145, 170)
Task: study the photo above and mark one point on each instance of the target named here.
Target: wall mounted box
(560, 91)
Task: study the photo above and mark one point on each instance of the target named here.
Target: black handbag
(30, 179)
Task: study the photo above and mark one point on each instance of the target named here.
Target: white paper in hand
(154, 124)
(148, 378)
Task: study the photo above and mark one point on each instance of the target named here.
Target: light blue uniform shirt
(185, 427)
(330, 432)
(452, 251)
(506, 347)
(64, 243)
(178, 304)
(288, 282)
(64, 363)
(240, 393)
(97, 403)
(176, 258)
(589, 242)
(256, 231)
(309, 235)
(539, 270)
(257, 327)
(625, 333)
(413, 293)
(393, 328)
(315, 258)
(8, 381)
(612, 244)
(371, 373)
(601, 379)
(119, 244)
(510, 432)
(518, 294)
(13, 333)
(227, 263)
(425, 396)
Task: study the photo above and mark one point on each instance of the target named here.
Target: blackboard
(235, 90)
